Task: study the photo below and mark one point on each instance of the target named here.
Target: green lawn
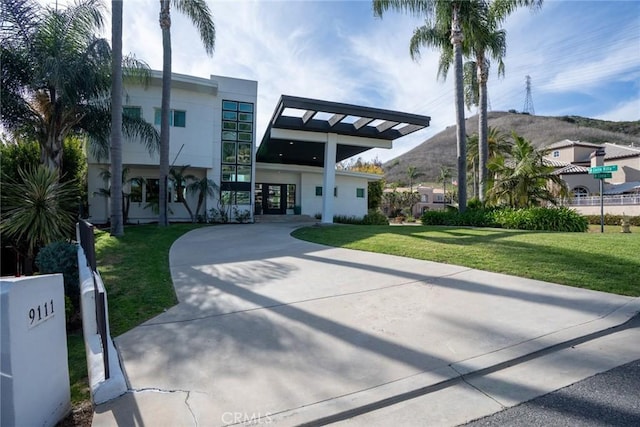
(135, 268)
(135, 271)
(608, 262)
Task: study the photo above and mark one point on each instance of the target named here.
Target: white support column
(329, 177)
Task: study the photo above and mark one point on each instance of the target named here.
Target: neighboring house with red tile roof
(572, 160)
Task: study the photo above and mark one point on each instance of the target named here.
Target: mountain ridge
(440, 149)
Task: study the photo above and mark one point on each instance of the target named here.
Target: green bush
(543, 219)
(375, 217)
(471, 217)
(62, 257)
(548, 219)
(612, 219)
(344, 219)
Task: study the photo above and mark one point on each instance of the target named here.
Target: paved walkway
(270, 329)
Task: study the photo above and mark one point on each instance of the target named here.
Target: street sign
(600, 169)
(602, 175)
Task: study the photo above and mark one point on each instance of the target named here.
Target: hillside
(440, 150)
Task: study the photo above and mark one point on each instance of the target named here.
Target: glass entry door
(274, 199)
(271, 199)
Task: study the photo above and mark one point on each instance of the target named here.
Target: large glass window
(133, 112)
(177, 118)
(152, 190)
(244, 174)
(228, 173)
(291, 196)
(243, 197)
(135, 195)
(237, 142)
(228, 152)
(244, 153)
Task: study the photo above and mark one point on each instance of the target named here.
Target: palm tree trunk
(117, 221)
(456, 40)
(165, 25)
(483, 145)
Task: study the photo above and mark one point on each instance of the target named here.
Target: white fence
(622, 199)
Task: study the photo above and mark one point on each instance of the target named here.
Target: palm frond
(200, 15)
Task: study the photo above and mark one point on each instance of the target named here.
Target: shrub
(241, 216)
(474, 204)
(538, 218)
(62, 257)
(471, 217)
(612, 219)
(375, 217)
(436, 218)
(344, 219)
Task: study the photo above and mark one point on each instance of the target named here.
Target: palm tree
(56, 78)
(181, 182)
(200, 15)
(117, 219)
(443, 176)
(106, 192)
(445, 20)
(36, 210)
(487, 41)
(523, 179)
(204, 188)
(498, 144)
(412, 174)
(472, 162)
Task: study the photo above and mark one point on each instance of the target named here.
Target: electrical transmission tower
(528, 100)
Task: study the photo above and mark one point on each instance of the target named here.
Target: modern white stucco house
(213, 132)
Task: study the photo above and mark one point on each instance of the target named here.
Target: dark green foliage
(25, 155)
(62, 257)
(344, 219)
(375, 189)
(539, 218)
(474, 203)
(375, 217)
(471, 217)
(613, 219)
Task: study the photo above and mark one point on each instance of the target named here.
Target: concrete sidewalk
(270, 329)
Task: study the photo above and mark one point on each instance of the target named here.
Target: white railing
(622, 199)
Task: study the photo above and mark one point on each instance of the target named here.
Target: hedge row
(613, 219)
(549, 219)
(374, 217)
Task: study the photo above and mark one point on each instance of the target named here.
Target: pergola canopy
(299, 127)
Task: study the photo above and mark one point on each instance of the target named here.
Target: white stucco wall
(34, 374)
(198, 144)
(346, 203)
(307, 178)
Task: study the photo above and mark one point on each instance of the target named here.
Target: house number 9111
(40, 313)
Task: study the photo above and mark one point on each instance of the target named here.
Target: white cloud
(337, 51)
(627, 111)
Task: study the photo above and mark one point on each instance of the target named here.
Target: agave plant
(37, 210)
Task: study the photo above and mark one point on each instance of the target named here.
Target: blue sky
(583, 57)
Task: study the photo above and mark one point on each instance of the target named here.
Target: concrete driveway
(270, 329)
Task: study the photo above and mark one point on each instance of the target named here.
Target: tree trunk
(165, 25)
(461, 143)
(483, 144)
(180, 193)
(117, 220)
(51, 152)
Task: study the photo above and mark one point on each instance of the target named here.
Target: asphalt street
(608, 399)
